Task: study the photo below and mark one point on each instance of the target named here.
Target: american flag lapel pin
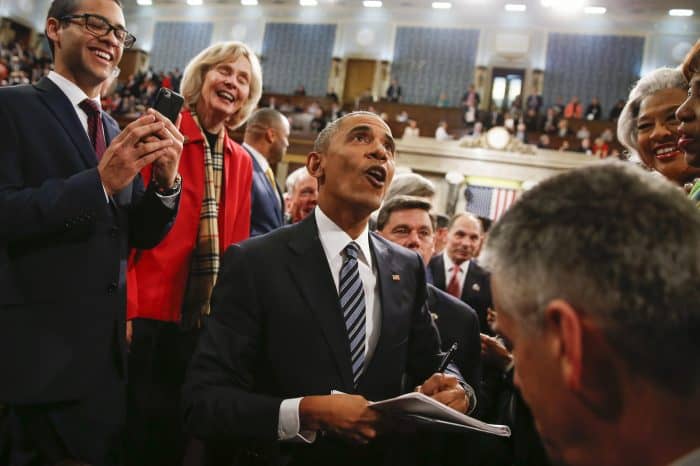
(396, 277)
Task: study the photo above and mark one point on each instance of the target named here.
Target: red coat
(157, 278)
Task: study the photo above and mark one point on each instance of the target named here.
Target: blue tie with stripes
(352, 303)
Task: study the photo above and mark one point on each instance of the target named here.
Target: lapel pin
(396, 277)
(434, 316)
(476, 287)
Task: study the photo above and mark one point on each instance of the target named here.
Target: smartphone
(168, 103)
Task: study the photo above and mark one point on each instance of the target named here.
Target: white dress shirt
(75, 96)
(334, 239)
(449, 268)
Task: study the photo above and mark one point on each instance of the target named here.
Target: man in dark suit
(266, 140)
(406, 220)
(318, 306)
(455, 271)
(67, 221)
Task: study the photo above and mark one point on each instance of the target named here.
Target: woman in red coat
(169, 286)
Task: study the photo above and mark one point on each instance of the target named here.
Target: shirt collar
(334, 239)
(71, 90)
(449, 264)
(262, 161)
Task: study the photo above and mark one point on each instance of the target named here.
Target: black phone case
(168, 103)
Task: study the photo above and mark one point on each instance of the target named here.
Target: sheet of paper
(421, 405)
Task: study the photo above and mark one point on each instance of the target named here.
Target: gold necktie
(271, 178)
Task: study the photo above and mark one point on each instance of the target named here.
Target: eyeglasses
(100, 27)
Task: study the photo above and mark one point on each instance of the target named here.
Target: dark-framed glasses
(100, 27)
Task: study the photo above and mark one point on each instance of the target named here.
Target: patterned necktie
(95, 129)
(352, 303)
(453, 287)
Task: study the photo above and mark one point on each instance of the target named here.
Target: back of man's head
(623, 249)
(260, 121)
(411, 184)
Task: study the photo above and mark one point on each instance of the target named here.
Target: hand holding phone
(168, 103)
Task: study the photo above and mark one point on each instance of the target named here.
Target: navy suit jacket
(63, 250)
(458, 323)
(277, 332)
(266, 208)
(476, 291)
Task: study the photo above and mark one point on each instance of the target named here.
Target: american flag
(486, 201)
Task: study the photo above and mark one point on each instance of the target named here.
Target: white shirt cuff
(288, 425)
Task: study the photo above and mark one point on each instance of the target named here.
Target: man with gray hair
(596, 283)
(266, 140)
(302, 194)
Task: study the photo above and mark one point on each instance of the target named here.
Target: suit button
(112, 288)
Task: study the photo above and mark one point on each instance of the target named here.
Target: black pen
(447, 359)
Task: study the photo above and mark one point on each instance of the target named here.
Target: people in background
(266, 140)
(595, 342)
(170, 285)
(443, 100)
(583, 132)
(600, 148)
(303, 195)
(573, 108)
(594, 111)
(412, 130)
(456, 271)
(402, 116)
(300, 89)
(617, 109)
(648, 127)
(72, 203)
(441, 133)
(393, 92)
(563, 129)
(543, 142)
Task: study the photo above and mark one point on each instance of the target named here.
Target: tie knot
(90, 107)
(351, 250)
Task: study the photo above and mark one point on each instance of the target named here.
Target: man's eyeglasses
(100, 27)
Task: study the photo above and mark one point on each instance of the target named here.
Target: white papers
(423, 408)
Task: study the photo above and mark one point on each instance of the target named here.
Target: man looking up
(342, 309)
(599, 298)
(266, 140)
(72, 203)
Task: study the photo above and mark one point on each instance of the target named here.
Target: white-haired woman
(648, 126)
(170, 286)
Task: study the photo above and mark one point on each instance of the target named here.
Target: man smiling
(71, 206)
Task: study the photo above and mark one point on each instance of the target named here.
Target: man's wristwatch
(168, 191)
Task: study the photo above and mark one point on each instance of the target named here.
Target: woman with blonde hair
(170, 286)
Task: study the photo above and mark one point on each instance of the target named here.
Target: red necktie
(453, 288)
(95, 129)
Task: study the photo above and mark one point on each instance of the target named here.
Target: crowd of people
(164, 302)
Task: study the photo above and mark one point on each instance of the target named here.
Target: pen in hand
(449, 356)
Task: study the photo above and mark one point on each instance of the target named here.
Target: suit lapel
(60, 106)
(390, 289)
(309, 269)
(439, 272)
(471, 283)
(275, 195)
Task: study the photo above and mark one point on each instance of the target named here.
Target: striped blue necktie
(352, 303)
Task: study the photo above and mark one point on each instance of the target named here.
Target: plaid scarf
(205, 259)
(695, 193)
